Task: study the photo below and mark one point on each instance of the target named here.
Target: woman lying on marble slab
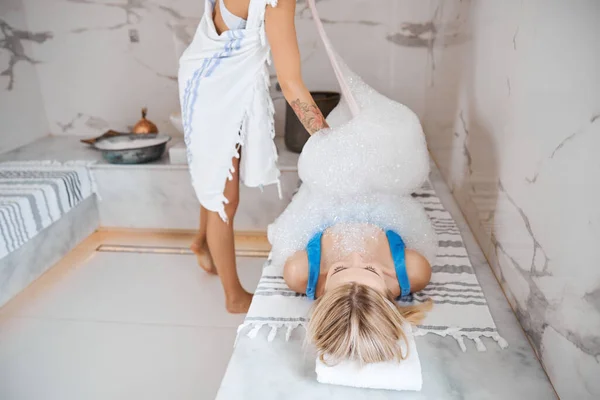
(355, 272)
(353, 238)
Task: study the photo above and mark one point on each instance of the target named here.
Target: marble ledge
(23, 266)
(69, 148)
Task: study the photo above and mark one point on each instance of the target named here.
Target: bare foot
(203, 256)
(239, 305)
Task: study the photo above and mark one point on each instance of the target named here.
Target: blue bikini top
(397, 248)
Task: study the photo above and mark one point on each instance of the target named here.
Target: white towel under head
(391, 375)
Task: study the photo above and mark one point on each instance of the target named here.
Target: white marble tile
(258, 208)
(159, 195)
(22, 110)
(22, 267)
(147, 198)
(69, 148)
(55, 359)
(127, 52)
(165, 199)
(118, 51)
(135, 288)
(512, 125)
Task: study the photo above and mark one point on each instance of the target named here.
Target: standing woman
(227, 111)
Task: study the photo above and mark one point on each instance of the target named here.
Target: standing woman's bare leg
(200, 246)
(220, 239)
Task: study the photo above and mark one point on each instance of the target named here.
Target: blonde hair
(355, 321)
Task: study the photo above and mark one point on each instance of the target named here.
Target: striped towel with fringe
(460, 309)
(35, 194)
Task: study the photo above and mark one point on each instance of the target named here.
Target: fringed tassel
(254, 331)
(500, 340)
(461, 342)
(279, 191)
(263, 36)
(460, 337)
(256, 327)
(270, 105)
(273, 332)
(289, 331)
(221, 211)
(223, 215)
(479, 344)
(267, 78)
(239, 331)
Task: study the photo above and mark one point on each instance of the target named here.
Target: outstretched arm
(281, 33)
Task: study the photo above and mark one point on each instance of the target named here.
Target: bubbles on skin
(360, 171)
(352, 238)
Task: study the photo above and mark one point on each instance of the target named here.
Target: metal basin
(133, 148)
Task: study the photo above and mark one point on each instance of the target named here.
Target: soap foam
(361, 170)
(352, 237)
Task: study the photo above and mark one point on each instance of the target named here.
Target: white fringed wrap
(226, 105)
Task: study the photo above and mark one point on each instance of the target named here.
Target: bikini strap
(398, 250)
(313, 251)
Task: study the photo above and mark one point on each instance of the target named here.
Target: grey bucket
(295, 133)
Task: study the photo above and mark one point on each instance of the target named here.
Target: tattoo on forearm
(310, 116)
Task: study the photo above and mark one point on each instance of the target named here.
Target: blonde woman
(356, 272)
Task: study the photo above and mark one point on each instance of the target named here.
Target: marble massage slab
(268, 365)
(282, 369)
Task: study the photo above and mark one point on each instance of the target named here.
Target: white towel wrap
(392, 375)
(218, 116)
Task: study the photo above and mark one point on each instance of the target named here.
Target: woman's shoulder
(295, 271)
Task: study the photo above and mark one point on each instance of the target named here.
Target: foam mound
(362, 169)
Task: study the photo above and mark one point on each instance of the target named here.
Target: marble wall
(100, 61)
(22, 112)
(512, 114)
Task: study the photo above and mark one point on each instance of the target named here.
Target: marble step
(178, 154)
(163, 198)
(159, 195)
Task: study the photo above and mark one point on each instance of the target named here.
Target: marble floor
(120, 317)
(119, 325)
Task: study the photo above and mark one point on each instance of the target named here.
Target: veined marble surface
(29, 262)
(68, 148)
(81, 67)
(159, 195)
(512, 118)
(22, 110)
(285, 370)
